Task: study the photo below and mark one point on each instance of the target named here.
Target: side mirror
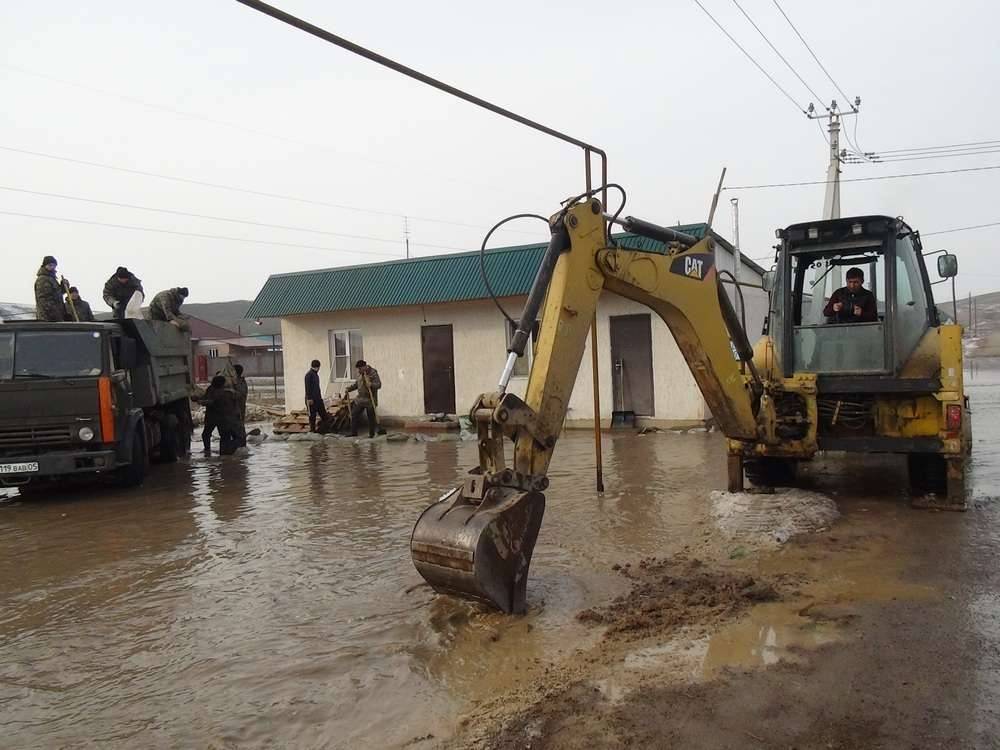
(767, 281)
(947, 266)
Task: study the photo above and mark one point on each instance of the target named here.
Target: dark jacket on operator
(862, 298)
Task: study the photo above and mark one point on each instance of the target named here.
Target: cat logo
(693, 267)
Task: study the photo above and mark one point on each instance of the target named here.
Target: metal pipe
(357, 49)
(508, 370)
(274, 363)
(596, 379)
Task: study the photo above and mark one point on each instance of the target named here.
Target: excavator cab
(816, 259)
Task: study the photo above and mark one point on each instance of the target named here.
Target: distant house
(430, 328)
(214, 345)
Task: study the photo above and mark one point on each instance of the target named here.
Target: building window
(523, 364)
(346, 348)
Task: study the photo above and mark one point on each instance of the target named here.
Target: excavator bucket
(479, 550)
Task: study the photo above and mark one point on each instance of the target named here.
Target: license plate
(25, 468)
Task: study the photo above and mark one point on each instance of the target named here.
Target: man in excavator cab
(892, 384)
(852, 303)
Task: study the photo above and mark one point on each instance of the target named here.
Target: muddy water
(271, 599)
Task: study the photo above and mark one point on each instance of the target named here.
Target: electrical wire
(751, 59)
(944, 155)
(192, 234)
(482, 258)
(801, 39)
(233, 188)
(961, 229)
(862, 179)
(764, 37)
(220, 218)
(938, 148)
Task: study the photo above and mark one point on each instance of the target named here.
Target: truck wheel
(134, 474)
(928, 473)
(769, 471)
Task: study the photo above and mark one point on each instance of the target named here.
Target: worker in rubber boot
(166, 306)
(222, 413)
(367, 385)
(49, 305)
(119, 290)
(83, 312)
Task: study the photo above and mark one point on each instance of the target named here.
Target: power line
(750, 58)
(233, 188)
(961, 229)
(862, 179)
(220, 218)
(764, 37)
(193, 234)
(801, 39)
(876, 158)
(938, 148)
(214, 121)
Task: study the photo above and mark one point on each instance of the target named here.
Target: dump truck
(103, 399)
(886, 382)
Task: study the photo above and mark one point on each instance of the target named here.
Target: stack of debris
(338, 420)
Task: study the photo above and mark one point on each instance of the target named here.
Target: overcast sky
(215, 92)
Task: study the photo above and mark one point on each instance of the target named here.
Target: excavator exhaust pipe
(480, 550)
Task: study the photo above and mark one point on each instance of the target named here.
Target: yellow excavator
(889, 384)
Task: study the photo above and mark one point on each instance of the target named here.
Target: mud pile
(667, 595)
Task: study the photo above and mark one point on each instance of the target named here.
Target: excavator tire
(769, 471)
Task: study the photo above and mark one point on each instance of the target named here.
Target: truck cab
(91, 398)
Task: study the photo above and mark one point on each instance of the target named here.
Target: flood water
(270, 599)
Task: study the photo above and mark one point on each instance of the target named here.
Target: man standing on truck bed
(166, 305)
(119, 289)
(49, 305)
(83, 312)
(314, 396)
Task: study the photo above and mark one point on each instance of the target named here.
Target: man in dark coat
(852, 303)
(367, 385)
(82, 308)
(222, 412)
(166, 306)
(49, 305)
(118, 290)
(314, 396)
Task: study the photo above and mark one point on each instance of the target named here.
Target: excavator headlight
(953, 417)
(857, 228)
(813, 233)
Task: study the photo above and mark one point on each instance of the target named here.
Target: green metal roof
(417, 281)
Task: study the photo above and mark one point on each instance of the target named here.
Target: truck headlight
(85, 434)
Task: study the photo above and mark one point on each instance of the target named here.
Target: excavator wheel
(770, 471)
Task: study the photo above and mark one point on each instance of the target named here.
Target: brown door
(632, 364)
(439, 369)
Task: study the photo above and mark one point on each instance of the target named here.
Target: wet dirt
(269, 600)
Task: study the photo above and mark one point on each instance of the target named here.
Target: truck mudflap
(55, 464)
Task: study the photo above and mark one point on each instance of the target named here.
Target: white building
(437, 339)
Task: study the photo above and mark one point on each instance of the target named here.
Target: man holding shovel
(367, 385)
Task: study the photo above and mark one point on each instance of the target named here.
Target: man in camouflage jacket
(49, 304)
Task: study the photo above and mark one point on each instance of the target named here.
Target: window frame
(351, 356)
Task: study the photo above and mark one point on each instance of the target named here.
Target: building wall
(392, 344)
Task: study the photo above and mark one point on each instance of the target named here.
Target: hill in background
(984, 339)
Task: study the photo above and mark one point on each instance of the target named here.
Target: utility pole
(406, 236)
(735, 202)
(833, 116)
